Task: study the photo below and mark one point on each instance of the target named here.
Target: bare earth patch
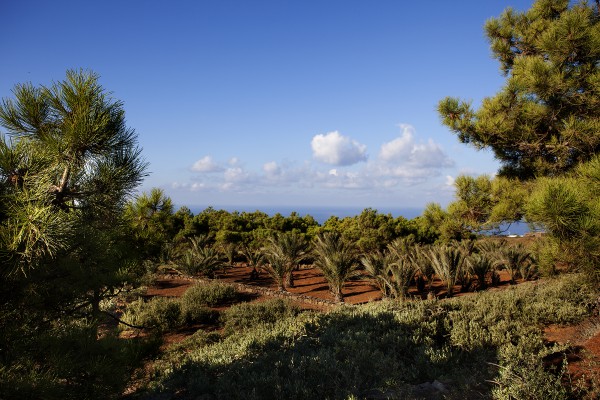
(583, 358)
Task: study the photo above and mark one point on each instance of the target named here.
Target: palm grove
(72, 237)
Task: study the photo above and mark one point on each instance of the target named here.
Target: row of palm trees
(331, 254)
(403, 264)
(283, 253)
(469, 264)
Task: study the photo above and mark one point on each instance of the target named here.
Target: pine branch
(123, 322)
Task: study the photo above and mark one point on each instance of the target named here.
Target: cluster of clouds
(338, 162)
(335, 149)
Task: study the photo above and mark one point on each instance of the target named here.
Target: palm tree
(376, 265)
(230, 251)
(254, 257)
(513, 258)
(337, 261)
(401, 246)
(447, 261)
(201, 259)
(480, 264)
(528, 270)
(402, 268)
(293, 248)
(199, 241)
(420, 257)
(402, 271)
(276, 267)
(490, 247)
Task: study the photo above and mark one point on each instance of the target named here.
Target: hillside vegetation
(486, 345)
(79, 248)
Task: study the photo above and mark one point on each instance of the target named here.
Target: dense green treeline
(160, 229)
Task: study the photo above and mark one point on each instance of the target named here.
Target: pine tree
(546, 118)
(68, 165)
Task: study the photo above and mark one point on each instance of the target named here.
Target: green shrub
(521, 373)
(245, 315)
(490, 319)
(470, 341)
(198, 339)
(203, 260)
(157, 313)
(192, 312)
(208, 294)
(70, 362)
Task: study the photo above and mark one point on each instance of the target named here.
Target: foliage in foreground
(162, 314)
(68, 165)
(385, 347)
(246, 315)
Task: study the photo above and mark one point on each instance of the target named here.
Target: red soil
(583, 355)
(170, 287)
(308, 281)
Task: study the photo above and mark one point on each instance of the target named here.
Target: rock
(439, 386)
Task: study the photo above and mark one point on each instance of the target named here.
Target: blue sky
(275, 103)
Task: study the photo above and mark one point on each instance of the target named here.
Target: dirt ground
(583, 356)
(307, 281)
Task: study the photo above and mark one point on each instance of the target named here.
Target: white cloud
(236, 174)
(335, 178)
(430, 155)
(405, 151)
(197, 186)
(402, 162)
(400, 148)
(272, 171)
(206, 164)
(408, 160)
(236, 179)
(179, 185)
(335, 149)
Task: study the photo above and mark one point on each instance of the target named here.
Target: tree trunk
(290, 279)
(96, 309)
(64, 179)
(338, 296)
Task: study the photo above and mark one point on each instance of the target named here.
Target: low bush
(163, 314)
(208, 294)
(198, 339)
(157, 313)
(69, 361)
(522, 375)
(489, 319)
(486, 345)
(192, 313)
(246, 315)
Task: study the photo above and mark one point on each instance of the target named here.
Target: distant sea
(319, 213)
(323, 213)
